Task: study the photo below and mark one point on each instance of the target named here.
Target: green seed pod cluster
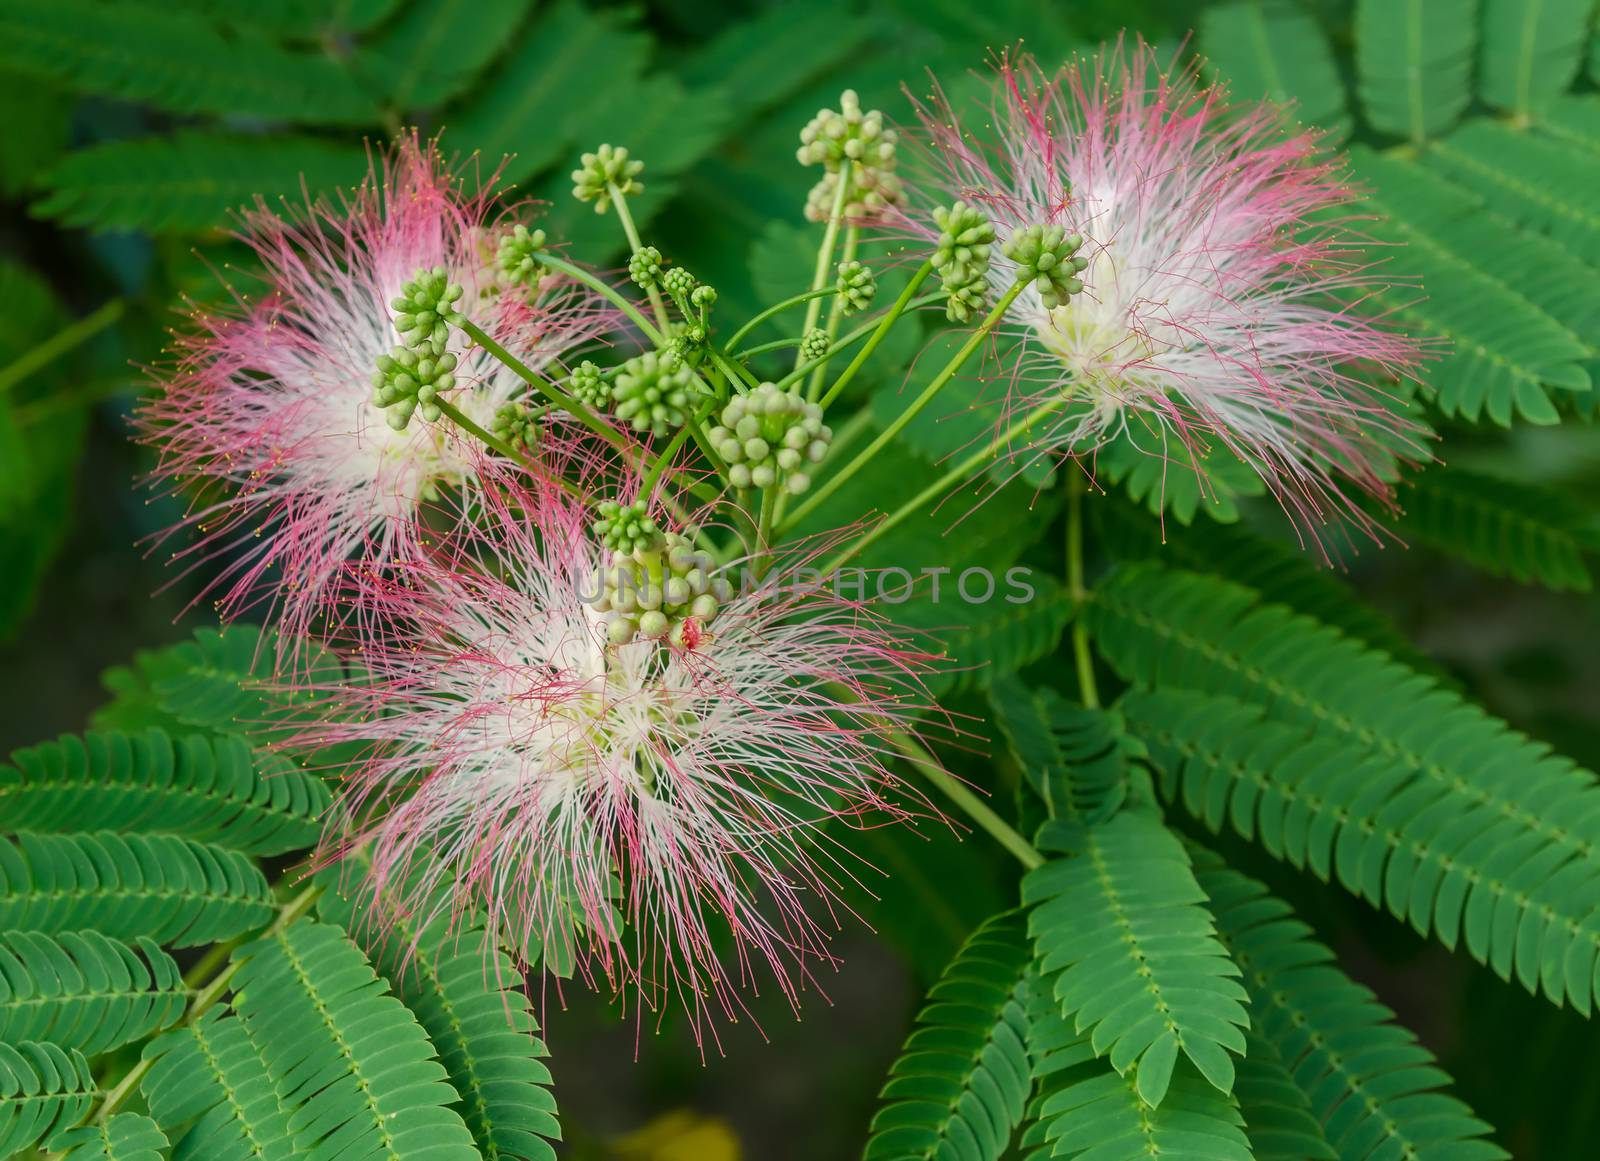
(605, 170)
(644, 267)
(653, 393)
(857, 139)
(518, 256)
(627, 528)
(407, 379)
(588, 386)
(669, 591)
(966, 238)
(426, 309)
(856, 286)
(771, 435)
(1047, 255)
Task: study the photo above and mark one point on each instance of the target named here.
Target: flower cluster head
(962, 258)
(678, 801)
(587, 384)
(771, 435)
(644, 267)
(855, 146)
(605, 174)
(294, 455)
(815, 344)
(856, 286)
(660, 588)
(1187, 284)
(653, 393)
(517, 258)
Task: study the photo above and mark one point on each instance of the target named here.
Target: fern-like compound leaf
(150, 783)
(1121, 925)
(124, 1137)
(1530, 533)
(1414, 63)
(172, 890)
(1354, 766)
(1277, 1113)
(43, 1089)
(1372, 1086)
(1076, 759)
(82, 990)
(357, 1072)
(958, 1089)
(1275, 50)
(468, 997)
(1083, 1108)
(208, 1088)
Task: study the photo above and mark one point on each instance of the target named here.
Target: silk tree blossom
(1223, 280)
(670, 797)
(268, 422)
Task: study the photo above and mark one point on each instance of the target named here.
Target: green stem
(937, 384)
(456, 416)
(848, 340)
(739, 377)
(971, 805)
(1087, 689)
(664, 458)
(852, 236)
(830, 238)
(540, 384)
(878, 335)
(606, 291)
(774, 345)
(953, 476)
(60, 343)
(733, 343)
(625, 216)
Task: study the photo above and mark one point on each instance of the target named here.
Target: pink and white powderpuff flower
(267, 425)
(1222, 301)
(670, 799)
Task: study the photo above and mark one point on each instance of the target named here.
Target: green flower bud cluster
(407, 379)
(856, 286)
(679, 284)
(771, 435)
(628, 528)
(653, 393)
(668, 590)
(605, 173)
(961, 257)
(815, 344)
(518, 256)
(588, 386)
(516, 424)
(850, 140)
(426, 309)
(1046, 255)
(644, 267)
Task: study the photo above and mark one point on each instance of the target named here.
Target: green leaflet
(435, 49)
(1532, 49)
(192, 180)
(43, 1089)
(1122, 927)
(1274, 49)
(1277, 1114)
(958, 1088)
(1370, 1083)
(759, 61)
(200, 788)
(178, 61)
(356, 1071)
(468, 997)
(84, 991)
(208, 1088)
(124, 1137)
(1506, 352)
(1446, 786)
(1082, 1108)
(1533, 534)
(1414, 63)
(1076, 759)
(173, 890)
